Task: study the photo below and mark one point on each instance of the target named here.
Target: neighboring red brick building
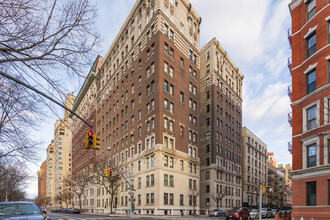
(310, 40)
(85, 106)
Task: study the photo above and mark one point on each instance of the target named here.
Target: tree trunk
(111, 203)
(79, 202)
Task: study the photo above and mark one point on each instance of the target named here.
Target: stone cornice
(311, 172)
(294, 4)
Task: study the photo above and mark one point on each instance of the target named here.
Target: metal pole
(44, 95)
(260, 202)
(131, 196)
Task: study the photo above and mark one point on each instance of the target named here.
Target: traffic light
(110, 172)
(89, 140)
(267, 189)
(96, 142)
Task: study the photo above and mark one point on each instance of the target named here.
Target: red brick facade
(310, 130)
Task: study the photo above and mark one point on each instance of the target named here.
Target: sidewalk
(144, 216)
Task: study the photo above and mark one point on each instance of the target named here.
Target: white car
(266, 213)
(254, 214)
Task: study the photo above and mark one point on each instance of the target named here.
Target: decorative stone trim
(310, 31)
(310, 68)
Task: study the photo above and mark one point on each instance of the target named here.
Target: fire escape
(290, 87)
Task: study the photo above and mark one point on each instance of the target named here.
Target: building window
(165, 198)
(207, 202)
(165, 104)
(311, 9)
(165, 67)
(152, 198)
(328, 151)
(165, 29)
(181, 199)
(147, 198)
(208, 68)
(329, 63)
(208, 55)
(328, 32)
(311, 155)
(171, 34)
(171, 53)
(311, 44)
(171, 199)
(171, 89)
(311, 81)
(166, 161)
(165, 48)
(171, 71)
(165, 85)
(152, 182)
(181, 97)
(311, 118)
(328, 191)
(181, 62)
(311, 193)
(171, 107)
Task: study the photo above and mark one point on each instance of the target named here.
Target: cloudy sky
(254, 34)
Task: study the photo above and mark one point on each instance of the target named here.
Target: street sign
(131, 193)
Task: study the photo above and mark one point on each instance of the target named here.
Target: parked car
(254, 214)
(266, 212)
(74, 211)
(218, 212)
(21, 210)
(237, 213)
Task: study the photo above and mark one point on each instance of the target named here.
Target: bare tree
(78, 183)
(110, 183)
(194, 193)
(12, 182)
(65, 196)
(41, 42)
(36, 35)
(217, 197)
(59, 199)
(43, 201)
(18, 118)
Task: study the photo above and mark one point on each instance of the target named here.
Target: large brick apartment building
(310, 39)
(221, 130)
(146, 110)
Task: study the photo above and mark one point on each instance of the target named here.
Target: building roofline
(255, 136)
(215, 41)
(87, 83)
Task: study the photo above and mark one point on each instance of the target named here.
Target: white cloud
(255, 107)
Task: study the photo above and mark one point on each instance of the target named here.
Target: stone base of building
(151, 211)
(315, 213)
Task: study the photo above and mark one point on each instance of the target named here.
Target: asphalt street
(63, 216)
